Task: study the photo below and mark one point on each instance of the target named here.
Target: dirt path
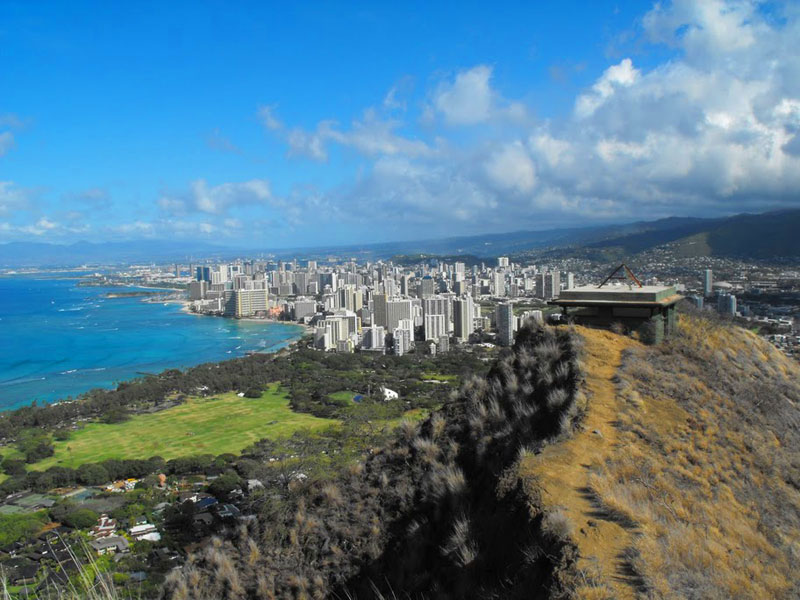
(562, 469)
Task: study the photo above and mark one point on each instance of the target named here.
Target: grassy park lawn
(430, 376)
(224, 423)
(343, 398)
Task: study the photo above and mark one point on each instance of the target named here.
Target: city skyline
(324, 126)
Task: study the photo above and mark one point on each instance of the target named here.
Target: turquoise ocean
(58, 339)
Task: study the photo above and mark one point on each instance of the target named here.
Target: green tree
(80, 518)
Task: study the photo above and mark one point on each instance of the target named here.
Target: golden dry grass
(703, 471)
(562, 472)
(683, 481)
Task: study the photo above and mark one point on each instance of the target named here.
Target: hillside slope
(685, 482)
(585, 465)
(747, 236)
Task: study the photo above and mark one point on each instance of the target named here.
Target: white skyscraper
(499, 284)
(435, 326)
(463, 318)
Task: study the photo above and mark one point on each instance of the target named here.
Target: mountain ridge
(746, 235)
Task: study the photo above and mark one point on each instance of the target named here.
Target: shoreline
(289, 344)
(307, 329)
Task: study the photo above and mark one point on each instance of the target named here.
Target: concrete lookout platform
(649, 310)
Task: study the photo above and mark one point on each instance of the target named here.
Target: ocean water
(59, 340)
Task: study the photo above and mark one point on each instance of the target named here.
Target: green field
(344, 398)
(430, 376)
(225, 423)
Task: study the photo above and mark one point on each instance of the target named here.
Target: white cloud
(552, 150)
(468, 99)
(715, 128)
(217, 199)
(621, 75)
(705, 29)
(46, 224)
(511, 168)
(371, 136)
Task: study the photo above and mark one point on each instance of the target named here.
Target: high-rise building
(380, 309)
(304, 308)
(402, 339)
(570, 280)
(301, 283)
(463, 316)
(505, 324)
(426, 287)
(435, 326)
(726, 304)
(397, 310)
(708, 282)
(502, 261)
(250, 302)
(405, 285)
(203, 274)
(198, 290)
(548, 285)
(390, 287)
(499, 284)
(350, 297)
(552, 285)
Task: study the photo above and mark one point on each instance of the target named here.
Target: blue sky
(262, 125)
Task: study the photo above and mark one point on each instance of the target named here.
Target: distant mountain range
(748, 236)
(761, 236)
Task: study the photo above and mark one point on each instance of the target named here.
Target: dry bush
(441, 507)
(557, 525)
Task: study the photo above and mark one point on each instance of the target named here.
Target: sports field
(224, 423)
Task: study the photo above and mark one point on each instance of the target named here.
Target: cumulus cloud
(371, 135)
(621, 75)
(511, 168)
(468, 99)
(714, 129)
(216, 199)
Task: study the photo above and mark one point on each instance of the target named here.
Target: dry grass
(706, 466)
(561, 473)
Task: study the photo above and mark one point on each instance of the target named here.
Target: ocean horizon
(59, 340)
